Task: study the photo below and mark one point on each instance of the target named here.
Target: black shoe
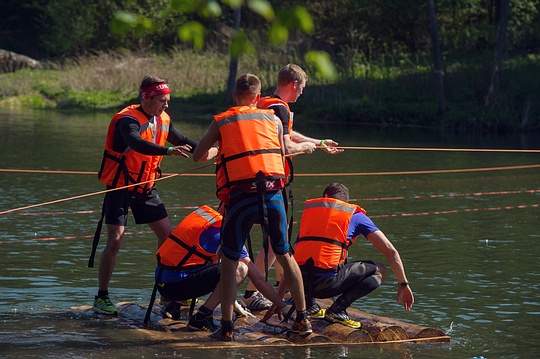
(225, 332)
(205, 324)
(171, 310)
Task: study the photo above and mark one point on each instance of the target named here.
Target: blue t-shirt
(360, 224)
(209, 241)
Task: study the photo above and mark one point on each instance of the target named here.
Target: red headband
(157, 89)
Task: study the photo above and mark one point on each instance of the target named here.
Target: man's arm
(177, 138)
(327, 145)
(383, 245)
(205, 150)
(258, 280)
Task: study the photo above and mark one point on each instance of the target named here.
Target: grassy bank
(385, 91)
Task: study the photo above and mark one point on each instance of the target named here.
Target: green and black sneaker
(104, 305)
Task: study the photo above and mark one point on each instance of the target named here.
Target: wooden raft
(250, 331)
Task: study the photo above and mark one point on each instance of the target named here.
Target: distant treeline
(483, 73)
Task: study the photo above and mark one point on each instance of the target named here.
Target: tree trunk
(233, 65)
(502, 24)
(437, 60)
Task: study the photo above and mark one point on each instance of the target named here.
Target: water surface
(467, 239)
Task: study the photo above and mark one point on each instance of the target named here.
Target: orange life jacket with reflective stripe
(249, 149)
(182, 250)
(266, 103)
(120, 169)
(323, 233)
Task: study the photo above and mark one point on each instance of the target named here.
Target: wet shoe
(341, 318)
(315, 312)
(104, 305)
(224, 333)
(171, 310)
(302, 328)
(256, 302)
(205, 324)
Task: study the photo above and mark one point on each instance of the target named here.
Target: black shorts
(347, 277)
(146, 207)
(243, 213)
(198, 283)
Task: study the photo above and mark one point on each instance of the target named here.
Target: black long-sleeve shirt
(127, 134)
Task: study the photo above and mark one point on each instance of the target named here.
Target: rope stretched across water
(104, 191)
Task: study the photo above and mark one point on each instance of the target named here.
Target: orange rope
(104, 191)
(434, 149)
(187, 174)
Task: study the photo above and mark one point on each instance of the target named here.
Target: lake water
(467, 238)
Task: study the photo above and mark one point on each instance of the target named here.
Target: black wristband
(403, 284)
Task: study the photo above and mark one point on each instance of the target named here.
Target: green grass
(396, 90)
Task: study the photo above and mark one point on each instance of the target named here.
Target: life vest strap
(323, 239)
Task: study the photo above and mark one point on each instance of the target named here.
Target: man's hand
(179, 151)
(406, 295)
(329, 146)
(308, 147)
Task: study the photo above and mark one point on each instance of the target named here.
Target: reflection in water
(468, 241)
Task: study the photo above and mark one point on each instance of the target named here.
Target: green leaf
(186, 6)
(211, 9)
(234, 4)
(192, 32)
(278, 34)
(240, 44)
(303, 19)
(262, 7)
(322, 63)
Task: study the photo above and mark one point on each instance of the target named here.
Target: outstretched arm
(205, 150)
(327, 145)
(383, 244)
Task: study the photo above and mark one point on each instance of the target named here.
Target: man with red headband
(134, 148)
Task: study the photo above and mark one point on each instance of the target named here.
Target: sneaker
(315, 312)
(205, 324)
(341, 318)
(302, 328)
(171, 310)
(256, 302)
(104, 305)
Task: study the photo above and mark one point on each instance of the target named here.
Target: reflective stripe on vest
(183, 250)
(119, 169)
(249, 147)
(323, 233)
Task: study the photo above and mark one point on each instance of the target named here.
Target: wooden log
(341, 333)
(383, 332)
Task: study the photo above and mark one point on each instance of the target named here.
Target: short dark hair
(337, 191)
(248, 86)
(152, 79)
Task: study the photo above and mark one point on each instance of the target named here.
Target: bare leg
(294, 280)
(162, 229)
(107, 260)
(215, 297)
(228, 287)
(259, 263)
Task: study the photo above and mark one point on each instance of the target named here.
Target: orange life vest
(182, 250)
(249, 149)
(120, 169)
(323, 233)
(265, 103)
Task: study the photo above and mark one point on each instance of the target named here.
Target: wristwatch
(403, 284)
